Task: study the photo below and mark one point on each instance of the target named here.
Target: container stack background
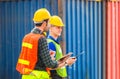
(113, 40)
(91, 26)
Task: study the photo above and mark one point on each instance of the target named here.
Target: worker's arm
(52, 49)
(52, 52)
(44, 54)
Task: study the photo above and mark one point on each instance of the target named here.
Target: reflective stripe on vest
(22, 61)
(25, 70)
(28, 56)
(61, 71)
(25, 44)
(35, 74)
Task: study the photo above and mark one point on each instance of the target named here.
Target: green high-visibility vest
(61, 71)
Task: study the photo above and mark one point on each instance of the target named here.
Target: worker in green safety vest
(55, 49)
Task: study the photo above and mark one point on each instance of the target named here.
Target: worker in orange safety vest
(34, 57)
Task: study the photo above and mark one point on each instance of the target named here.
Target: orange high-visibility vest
(28, 56)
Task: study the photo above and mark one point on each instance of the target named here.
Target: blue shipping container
(84, 32)
(15, 21)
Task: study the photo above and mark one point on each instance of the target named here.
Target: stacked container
(113, 39)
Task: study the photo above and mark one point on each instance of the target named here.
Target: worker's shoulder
(51, 44)
(43, 39)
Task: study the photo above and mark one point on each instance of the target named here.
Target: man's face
(47, 26)
(56, 30)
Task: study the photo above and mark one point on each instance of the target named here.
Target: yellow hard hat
(56, 20)
(41, 14)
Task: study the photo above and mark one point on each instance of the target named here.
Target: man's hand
(64, 58)
(70, 60)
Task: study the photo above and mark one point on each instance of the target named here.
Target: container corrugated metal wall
(15, 22)
(83, 32)
(113, 40)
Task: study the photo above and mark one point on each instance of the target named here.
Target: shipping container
(113, 39)
(16, 21)
(84, 33)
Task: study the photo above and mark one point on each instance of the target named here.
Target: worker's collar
(56, 40)
(36, 31)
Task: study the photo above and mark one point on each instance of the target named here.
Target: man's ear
(44, 24)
